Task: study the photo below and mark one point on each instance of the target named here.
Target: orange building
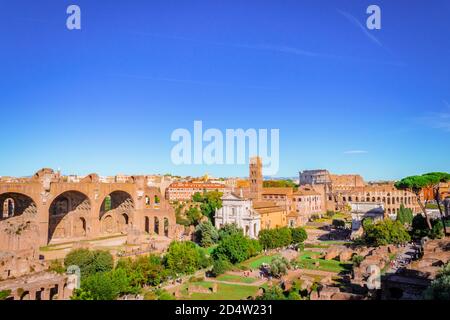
(183, 191)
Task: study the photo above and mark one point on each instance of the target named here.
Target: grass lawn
(319, 246)
(309, 254)
(224, 292)
(306, 261)
(311, 227)
(256, 262)
(330, 242)
(235, 278)
(342, 216)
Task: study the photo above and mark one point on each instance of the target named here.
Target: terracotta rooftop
(274, 190)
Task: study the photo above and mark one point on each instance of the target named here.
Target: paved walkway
(403, 258)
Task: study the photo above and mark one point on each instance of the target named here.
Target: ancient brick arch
(16, 204)
(117, 200)
(68, 216)
(69, 209)
(116, 212)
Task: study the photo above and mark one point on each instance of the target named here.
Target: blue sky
(106, 98)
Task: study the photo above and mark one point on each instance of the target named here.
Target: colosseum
(48, 208)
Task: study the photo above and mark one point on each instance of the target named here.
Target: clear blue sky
(107, 98)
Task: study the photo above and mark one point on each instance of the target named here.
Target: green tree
(299, 235)
(405, 215)
(205, 260)
(435, 179)
(272, 293)
(420, 228)
(236, 248)
(210, 202)
(230, 229)
(206, 234)
(90, 262)
(193, 215)
(182, 257)
(279, 266)
(197, 197)
(385, 232)
(103, 286)
(366, 223)
(417, 183)
(275, 238)
(143, 270)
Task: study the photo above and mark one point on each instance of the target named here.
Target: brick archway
(16, 204)
(68, 216)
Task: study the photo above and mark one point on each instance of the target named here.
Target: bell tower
(256, 178)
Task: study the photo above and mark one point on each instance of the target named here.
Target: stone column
(45, 294)
(61, 293)
(93, 228)
(33, 294)
(252, 236)
(43, 219)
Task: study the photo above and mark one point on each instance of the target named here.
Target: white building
(236, 209)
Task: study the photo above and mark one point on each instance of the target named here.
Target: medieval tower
(256, 178)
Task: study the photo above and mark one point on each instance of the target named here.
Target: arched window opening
(156, 226)
(166, 227)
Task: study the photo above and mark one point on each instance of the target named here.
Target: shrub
(273, 293)
(56, 266)
(339, 224)
(279, 267)
(357, 259)
(4, 294)
(329, 213)
(220, 266)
